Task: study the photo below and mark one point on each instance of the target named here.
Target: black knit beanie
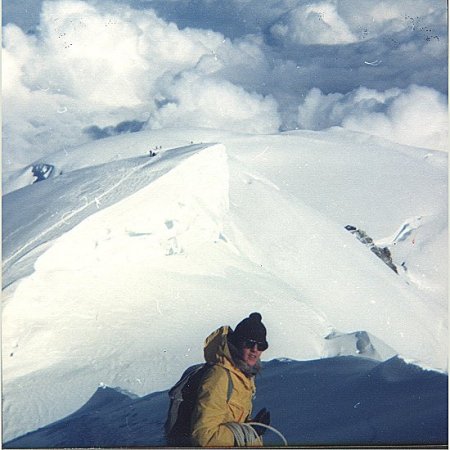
(249, 328)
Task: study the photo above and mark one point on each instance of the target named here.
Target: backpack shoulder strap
(230, 386)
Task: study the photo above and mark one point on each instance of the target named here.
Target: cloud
(87, 67)
(99, 66)
(346, 21)
(203, 102)
(113, 56)
(314, 23)
(414, 116)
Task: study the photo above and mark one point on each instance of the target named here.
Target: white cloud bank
(332, 22)
(210, 103)
(99, 64)
(415, 116)
(102, 66)
(315, 23)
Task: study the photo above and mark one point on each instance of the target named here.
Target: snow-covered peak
(121, 268)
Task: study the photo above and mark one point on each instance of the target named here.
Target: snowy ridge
(100, 186)
(157, 252)
(145, 226)
(67, 217)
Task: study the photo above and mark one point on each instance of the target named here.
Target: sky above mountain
(75, 71)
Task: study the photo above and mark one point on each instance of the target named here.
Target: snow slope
(343, 400)
(120, 266)
(82, 193)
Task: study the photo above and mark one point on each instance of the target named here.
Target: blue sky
(242, 65)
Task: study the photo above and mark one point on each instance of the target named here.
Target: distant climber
(152, 153)
(224, 391)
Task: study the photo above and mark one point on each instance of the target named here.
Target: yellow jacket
(212, 410)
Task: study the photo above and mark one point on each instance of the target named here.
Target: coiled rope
(245, 434)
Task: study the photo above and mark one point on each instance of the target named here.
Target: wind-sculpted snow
(74, 197)
(118, 269)
(333, 401)
(359, 343)
(156, 211)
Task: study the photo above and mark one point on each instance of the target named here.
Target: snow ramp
(126, 296)
(37, 214)
(69, 305)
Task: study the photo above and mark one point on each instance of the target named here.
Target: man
(235, 356)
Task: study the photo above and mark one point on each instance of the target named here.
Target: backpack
(183, 396)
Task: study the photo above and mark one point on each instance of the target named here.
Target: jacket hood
(216, 348)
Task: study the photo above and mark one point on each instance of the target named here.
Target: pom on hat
(255, 316)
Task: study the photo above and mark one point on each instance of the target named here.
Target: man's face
(250, 353)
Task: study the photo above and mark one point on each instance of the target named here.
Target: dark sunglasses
(250, 343)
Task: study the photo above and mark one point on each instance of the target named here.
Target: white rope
(245, 434)
(271, 429)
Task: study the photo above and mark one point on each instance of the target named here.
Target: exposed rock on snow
(382, 252)
(42, 171)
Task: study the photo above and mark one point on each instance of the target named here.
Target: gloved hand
(263, 416)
